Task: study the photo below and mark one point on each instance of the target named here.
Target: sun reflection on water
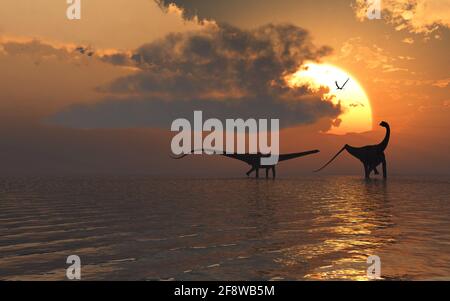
(348, 219)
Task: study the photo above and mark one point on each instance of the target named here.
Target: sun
(356, 114)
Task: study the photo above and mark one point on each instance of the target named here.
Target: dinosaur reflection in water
(254, 160)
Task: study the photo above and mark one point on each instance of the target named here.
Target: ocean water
(142, 228)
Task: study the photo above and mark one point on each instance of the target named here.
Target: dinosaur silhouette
(254, 160)
(341, 87)
(370, 156)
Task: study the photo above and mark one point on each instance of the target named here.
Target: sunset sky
(63, 111)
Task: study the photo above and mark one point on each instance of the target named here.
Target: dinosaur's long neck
(385, 141)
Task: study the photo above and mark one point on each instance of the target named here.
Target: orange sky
(401, 62)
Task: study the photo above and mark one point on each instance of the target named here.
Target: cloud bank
(35, 49)
(222, 70)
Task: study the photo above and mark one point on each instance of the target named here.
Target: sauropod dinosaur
(370, 156)
(254, 160)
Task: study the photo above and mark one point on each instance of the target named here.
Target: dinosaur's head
(384, 124)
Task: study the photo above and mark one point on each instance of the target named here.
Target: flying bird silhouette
(85, 50)
(341, 87)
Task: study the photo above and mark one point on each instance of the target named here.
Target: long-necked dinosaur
(254, 160)
(370, 156)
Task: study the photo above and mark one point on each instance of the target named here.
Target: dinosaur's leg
(257, 172)
(250, 171)
(384, 168)
(367, 170)
(375, 170)
(273, 172)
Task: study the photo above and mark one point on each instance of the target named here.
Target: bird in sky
(341, 87)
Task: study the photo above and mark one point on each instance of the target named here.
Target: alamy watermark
(374, 9)
(374, 268)
(73, 272)
(73, 11)
(251, 133)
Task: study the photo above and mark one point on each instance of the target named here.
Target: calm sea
(142, 228)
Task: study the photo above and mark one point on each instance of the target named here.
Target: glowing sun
(356, 114)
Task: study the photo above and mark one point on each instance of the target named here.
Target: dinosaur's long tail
(217, 152)
(329, 162)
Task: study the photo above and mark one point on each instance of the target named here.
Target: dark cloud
(135, 112)
(258, 12)
(218, 59)
(190, 8)
(224, 71)
(225, 10)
